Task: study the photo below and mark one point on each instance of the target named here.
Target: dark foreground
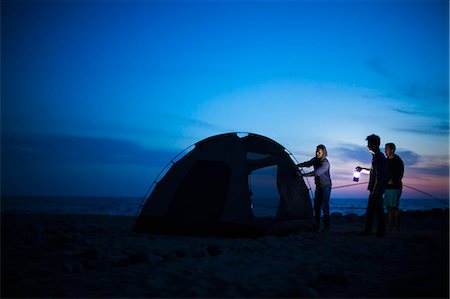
(76, 256)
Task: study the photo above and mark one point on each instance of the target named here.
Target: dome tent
(207, 190)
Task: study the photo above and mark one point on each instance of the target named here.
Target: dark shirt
(378, 173)
(321, 171)
(396, 169)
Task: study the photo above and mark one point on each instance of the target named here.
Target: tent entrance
(200, 199)
(265, 197)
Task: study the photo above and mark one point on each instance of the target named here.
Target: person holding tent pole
(377, 186)
(322, 180)
(394, 186)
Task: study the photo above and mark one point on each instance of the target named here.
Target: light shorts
(392, 198)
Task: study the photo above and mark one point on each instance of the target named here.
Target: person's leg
(381, 228)
(369, 215)
(317, 205)
(326, 206)
(397, 211)
(390, 201)
(397, 219)
(390, 217)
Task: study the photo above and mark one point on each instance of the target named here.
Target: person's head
(321, 151)
(389, 149)
(373, 142)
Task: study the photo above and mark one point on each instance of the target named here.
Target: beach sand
(96, 256)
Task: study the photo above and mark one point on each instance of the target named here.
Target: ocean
(130, 206)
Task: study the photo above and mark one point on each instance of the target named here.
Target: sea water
(71, 205)
(130, 205)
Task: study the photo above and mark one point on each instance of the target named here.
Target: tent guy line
(423, 192)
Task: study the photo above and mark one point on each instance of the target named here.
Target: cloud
(193, 122)
(32, 149)
(351, 152)
(441, 128)
(426, 91)
(437, 125)
(408, 157)
(376, 65)
(406, 112)
(427, 165)
(426, 121)
(432, 170)
(77, 165)
(437, 90)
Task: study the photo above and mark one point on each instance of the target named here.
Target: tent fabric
(208, 189)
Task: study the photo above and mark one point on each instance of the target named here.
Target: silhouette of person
(377, 185)
(394, 186)
(322, 180)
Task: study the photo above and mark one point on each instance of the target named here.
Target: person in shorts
(394, 187)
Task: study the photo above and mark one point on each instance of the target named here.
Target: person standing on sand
(394, 186)
(377, 185)
(322, 180)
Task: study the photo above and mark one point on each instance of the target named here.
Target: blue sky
(97, 96)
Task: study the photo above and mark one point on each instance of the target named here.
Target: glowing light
(356, 175)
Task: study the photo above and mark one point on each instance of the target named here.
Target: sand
(96, 256)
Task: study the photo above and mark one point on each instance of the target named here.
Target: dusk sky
(98, 96)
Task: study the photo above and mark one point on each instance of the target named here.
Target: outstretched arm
(359, 168)
(306, 163)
